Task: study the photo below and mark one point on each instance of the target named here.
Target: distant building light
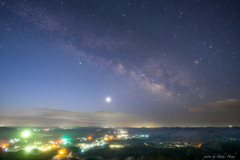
(26, 134)
(89, 138)
(28, 149)
(64, 140)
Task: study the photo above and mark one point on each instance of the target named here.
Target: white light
(25, 134)
(108, 99)
(28, 148)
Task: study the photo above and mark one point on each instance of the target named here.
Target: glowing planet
(108, 99)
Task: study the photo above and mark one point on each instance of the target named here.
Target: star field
(117, 63)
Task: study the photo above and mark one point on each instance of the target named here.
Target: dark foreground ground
(216, 144)
(211, 150)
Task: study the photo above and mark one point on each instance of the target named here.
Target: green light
(26, 134)
(28, 149)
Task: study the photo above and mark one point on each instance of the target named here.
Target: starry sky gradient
(163, 63)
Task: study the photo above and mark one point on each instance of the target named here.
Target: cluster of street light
(62, 142)
(14, 140)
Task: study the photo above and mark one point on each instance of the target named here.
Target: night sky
(120, 63)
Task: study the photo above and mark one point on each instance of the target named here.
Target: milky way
(162, 63)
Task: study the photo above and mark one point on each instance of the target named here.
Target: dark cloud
(63, 113)
(53, 117)
(228, 104)
(45, 121)
(56, 117)
(196, 109)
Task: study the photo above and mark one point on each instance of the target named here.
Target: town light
(64, 140)
(89, 138)
(26, 134)
(28, 149)
(61, 151)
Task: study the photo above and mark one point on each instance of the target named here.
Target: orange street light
(89, 138)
